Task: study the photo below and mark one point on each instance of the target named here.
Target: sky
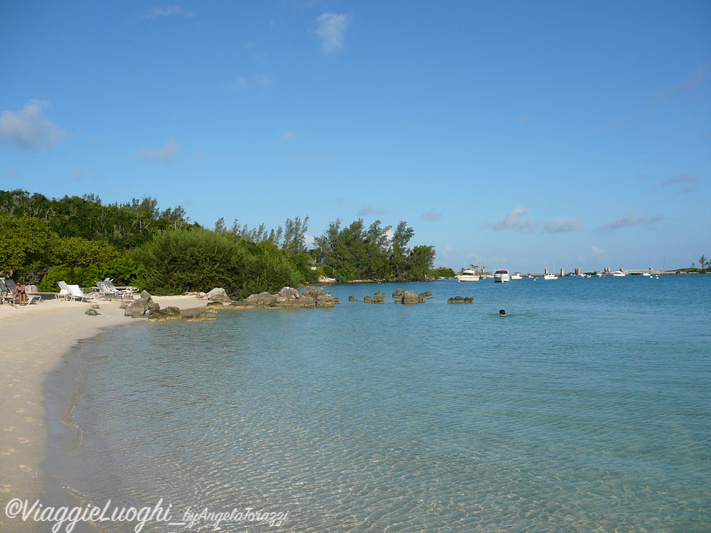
(511, 134)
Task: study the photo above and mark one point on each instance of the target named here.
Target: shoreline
(35, 339)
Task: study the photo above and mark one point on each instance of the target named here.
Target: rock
(199, 315)
(218, 295)
(409, 297)
(94, 306)
(91, 312)
(368, 299)
(287, 294)
(217, 305)
(141, 307)
(461, 300)
(352, 299)
(399, 293)
(426, 294)
(161, 315)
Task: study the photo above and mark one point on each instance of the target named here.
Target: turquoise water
(588, 408)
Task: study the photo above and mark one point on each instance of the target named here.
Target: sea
(586, 409)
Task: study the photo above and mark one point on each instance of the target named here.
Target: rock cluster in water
(461, 300)
(289, 298)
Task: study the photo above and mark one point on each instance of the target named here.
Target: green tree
(26, 244)
(77, 252)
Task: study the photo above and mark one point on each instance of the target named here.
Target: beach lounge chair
(105, 291)
(7, 289)
(78, 294)
(64, 292)
(5, 293)
(123, 292)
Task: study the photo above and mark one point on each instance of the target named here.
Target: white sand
(32, 342)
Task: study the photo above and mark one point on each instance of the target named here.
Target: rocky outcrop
(288, 298)
(218, 295)
(410, 298)
(461, 300)
(141, 307)
(199, 315)
(399, 293)
(162, 315)
(352, 298)
(426, 294)
(91, 312)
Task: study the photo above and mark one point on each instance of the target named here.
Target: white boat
(618, 274)
(468, 275)
(550, 276)
(516, 275)
(646, 274)
(502, 276)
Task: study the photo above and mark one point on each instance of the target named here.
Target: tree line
(81, 240)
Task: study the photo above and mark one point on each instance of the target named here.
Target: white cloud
(598, 251)
(27, 129)
(167, 152)
(368, 209)
(431, 216)
(686, 85)
(332, 31)
(628, 220)
(563, 225)
(682, 178)
(514, 220)
(168, 11)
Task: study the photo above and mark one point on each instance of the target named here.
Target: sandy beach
(34, 338)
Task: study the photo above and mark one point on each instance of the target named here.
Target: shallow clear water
(588, 408)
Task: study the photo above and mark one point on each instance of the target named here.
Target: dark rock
(199, 315)
(161, 315)
(368, 299)
(141, 307)
(426, 294)
(461, 300)
(91, 312)
(352, 299)
(399, 293)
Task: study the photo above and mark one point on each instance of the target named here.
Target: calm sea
(587, 408)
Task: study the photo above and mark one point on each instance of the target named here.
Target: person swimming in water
(502, 313)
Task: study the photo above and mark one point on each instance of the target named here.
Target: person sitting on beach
(20, 293)
(502, 313)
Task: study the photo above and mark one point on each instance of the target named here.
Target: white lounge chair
(64, 292)
(78, 294)
(123, 292)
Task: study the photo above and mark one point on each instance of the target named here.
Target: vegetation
(376, 253)
(80, 240)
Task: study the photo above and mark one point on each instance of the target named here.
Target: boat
(502, 276)
(468, 275)
(550, 276)
(618, 274)
(516, 275)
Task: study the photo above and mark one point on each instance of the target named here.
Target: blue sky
(515, 135)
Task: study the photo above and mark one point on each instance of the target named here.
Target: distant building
(577, 271)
